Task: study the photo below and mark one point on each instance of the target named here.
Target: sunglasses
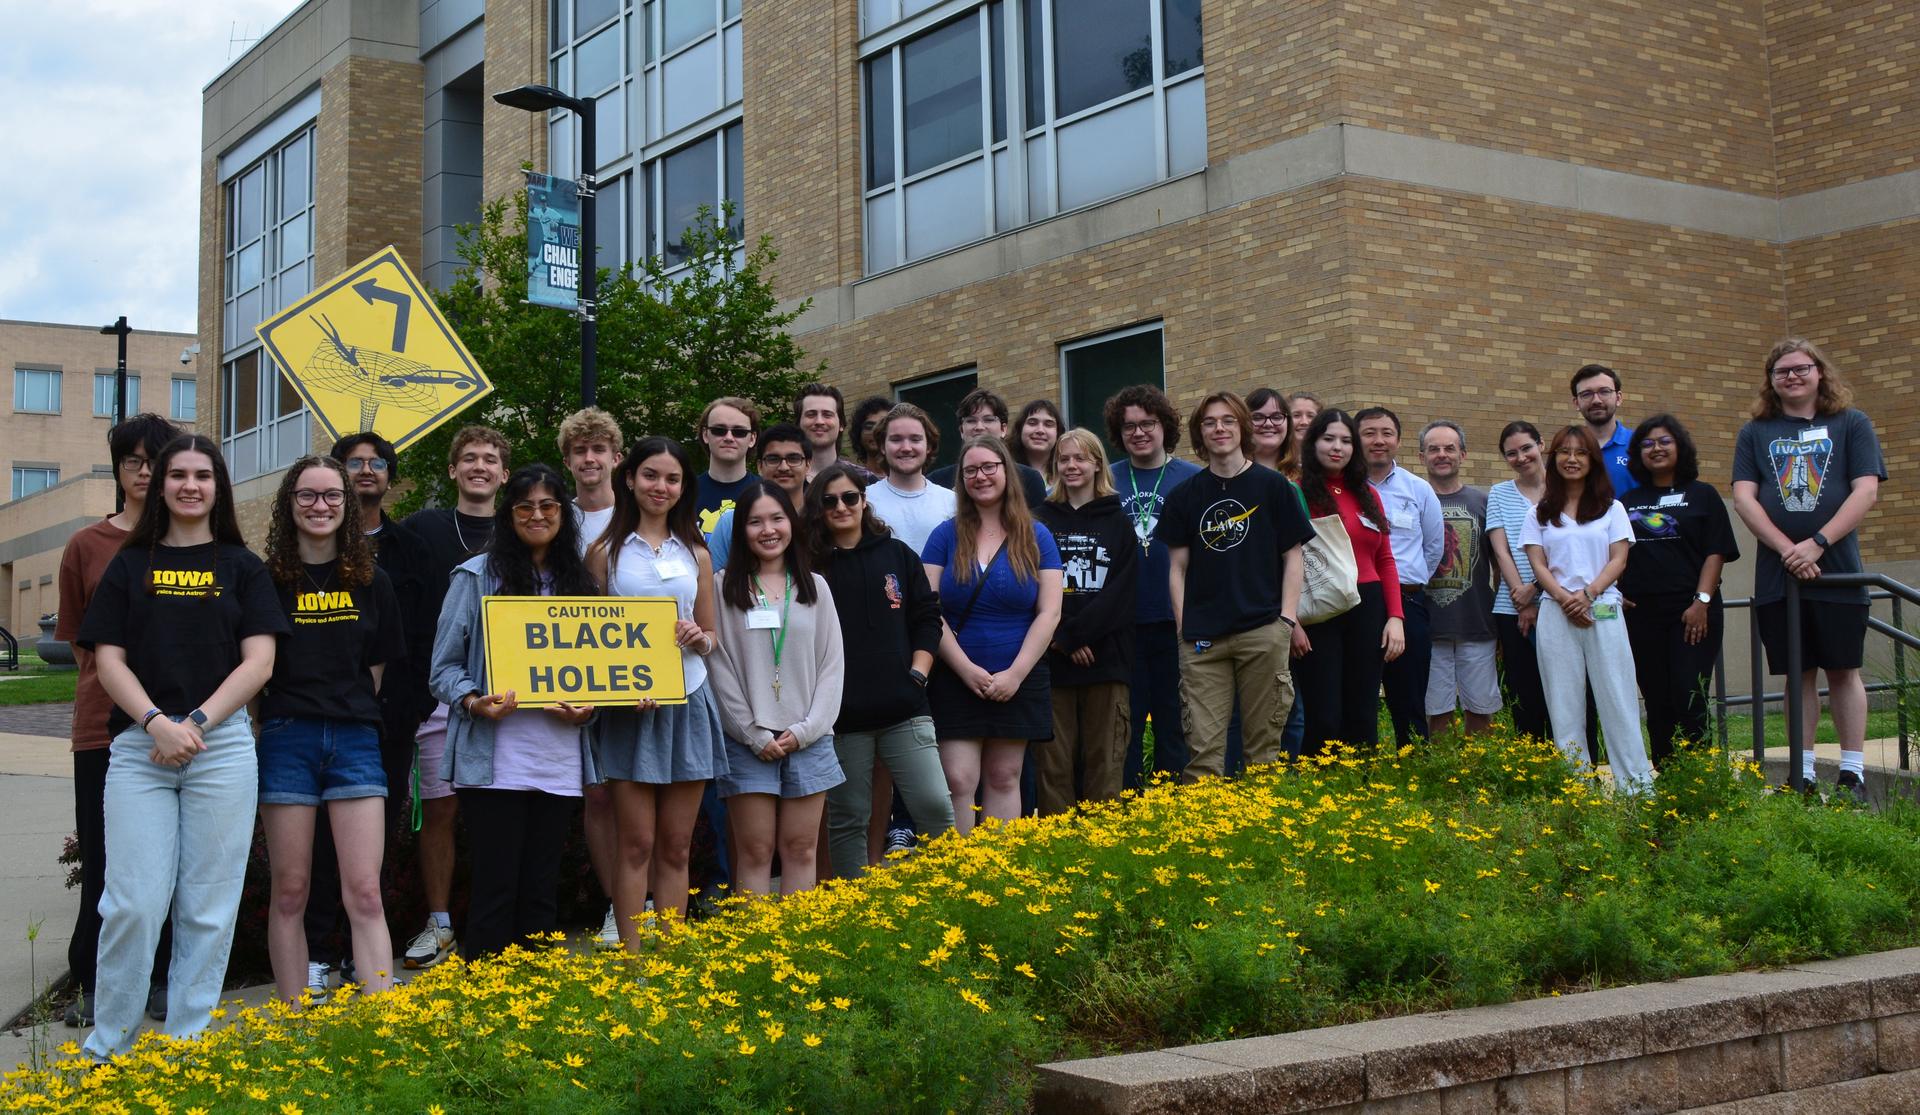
(739, 433)
(842, 499)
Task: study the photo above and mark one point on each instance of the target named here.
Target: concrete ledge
(1841, 1035)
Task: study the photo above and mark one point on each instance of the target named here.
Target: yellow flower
(1431, 885)
(747, 1048)
(811, 1040)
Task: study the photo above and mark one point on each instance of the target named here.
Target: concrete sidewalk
(36, 816)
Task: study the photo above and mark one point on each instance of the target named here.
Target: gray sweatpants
(1571, 658)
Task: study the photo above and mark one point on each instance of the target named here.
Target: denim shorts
(306, 760)
(810, 770)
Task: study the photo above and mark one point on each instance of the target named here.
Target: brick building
(1442, 207)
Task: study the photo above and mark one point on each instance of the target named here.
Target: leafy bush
(1351, 888)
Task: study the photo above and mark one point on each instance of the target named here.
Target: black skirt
(960, 713)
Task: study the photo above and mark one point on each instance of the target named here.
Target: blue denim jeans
(176, 835)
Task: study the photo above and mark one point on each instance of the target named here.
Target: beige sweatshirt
(812, 670)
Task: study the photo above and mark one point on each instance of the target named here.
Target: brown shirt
(81, 566)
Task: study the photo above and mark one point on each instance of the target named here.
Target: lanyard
(1144, 516)
(780, 636)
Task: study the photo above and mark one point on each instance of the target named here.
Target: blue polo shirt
(1613, 453)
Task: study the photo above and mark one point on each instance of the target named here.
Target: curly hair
(1150, 399)
(355, 556)
(1831, 397)
(1686, 458)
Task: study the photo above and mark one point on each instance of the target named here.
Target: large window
(184, 405)
(1099, 97)
(1093, 370)
(27, 481)
(940, 395)
(103, 394)
(36, 391)
(269, 264)
(665, 78)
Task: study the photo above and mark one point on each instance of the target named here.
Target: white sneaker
(433, 945)
(609, 931)
(317, 982)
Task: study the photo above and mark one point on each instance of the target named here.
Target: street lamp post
(541, 98)
(119, 329)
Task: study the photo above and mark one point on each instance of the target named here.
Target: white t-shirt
(911, 515)
(591, 524)
(1576, 552)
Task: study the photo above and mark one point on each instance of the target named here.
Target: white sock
(1806, 765)
(441, 919)
(1855, 761)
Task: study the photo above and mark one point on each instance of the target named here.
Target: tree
(667, 346)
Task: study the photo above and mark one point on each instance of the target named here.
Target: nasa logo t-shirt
(1236, 532)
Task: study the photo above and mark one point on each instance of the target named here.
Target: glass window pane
(293, 241)
(941, 74)
(1094, 372)
(285, 394)
(592, 13)
(610, 126)
(252, 202)
(1033, 49)
(248, 264)
(691, 92)
(997, 73)
(243, 394)
(736, 182)
(692, 180)
(1180, 34)
(1101, 50)
(1187, 126)
(687, 20)
(296, 176)
(557, 71)
(559, 34)
(733, 8)
(947, 209)
(735, 62)
(560, 162)
(880, 120)
(1107, 153)
(186, 400)
(597, 61)
(609, 224)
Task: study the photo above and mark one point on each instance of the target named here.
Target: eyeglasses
(791, 460)
(1269, 419)
(842, 499)
(984, 468)
(1662, 442)
(1571, 454)
(1139, 427)
(1796, 371)
(738, 433)
(366, 464)
(1592, 393)
(134, 464)
(530, 509)
(307, 497)
(1220, 422)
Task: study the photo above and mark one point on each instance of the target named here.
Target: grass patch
(1458, 875)
(36, 683)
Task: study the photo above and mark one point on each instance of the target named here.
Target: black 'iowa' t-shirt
(181, 620)
(339, 634)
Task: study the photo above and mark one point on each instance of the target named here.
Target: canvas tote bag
(1332, 582)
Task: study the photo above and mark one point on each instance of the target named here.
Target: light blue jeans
(176, 836)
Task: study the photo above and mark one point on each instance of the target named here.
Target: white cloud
(99, 209)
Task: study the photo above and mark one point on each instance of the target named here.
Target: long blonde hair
(1089, 444)
(1831, 397)
(1023, 549)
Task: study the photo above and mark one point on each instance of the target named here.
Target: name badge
(1675, 499)
(670, 568)
(763, 618)
(1606, 611)
(1402, 520)
(1814, 433)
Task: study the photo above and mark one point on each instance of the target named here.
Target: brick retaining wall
(1836, 1035)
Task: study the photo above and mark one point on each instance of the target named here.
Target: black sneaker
(1849, 786)
(80, 1012)
(157, 1003)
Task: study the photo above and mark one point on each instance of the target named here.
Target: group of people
(870, 644)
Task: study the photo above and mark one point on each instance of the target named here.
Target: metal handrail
(12, 660)
(1880, 587)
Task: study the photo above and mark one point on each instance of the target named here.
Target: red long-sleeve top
(1372, 549)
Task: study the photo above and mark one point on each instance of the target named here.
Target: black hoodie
(1098, 549)
(887, 611)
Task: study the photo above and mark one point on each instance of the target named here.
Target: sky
(100, 133)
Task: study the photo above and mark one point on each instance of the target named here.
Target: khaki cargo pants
(1254, 666)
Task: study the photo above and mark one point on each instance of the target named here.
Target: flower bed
(1358, 888)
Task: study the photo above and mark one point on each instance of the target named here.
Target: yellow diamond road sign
(370, 351)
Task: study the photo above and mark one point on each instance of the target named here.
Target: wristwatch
(919, 678)
(199, 718)
(1703, 597)
(1822, 539)
(1290, 622)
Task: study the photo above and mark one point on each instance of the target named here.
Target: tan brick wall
(802, 127)
(1844, 103)
(1273, 70)
(1857, 295)
(516, 55)
(1678, 91)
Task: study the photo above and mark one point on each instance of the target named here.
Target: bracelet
(919, 678)
(148, 718)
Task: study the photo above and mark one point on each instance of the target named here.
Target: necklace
(461, 533)
(1225, 480)
(780, 634)
(332, 568)
(1143, 515)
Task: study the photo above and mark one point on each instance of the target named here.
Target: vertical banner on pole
(553, 241)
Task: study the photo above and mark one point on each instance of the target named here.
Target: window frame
(1097, 422)
(21, 376)
(22, 472)
(106, 378)
(944, 419)
(173, 398)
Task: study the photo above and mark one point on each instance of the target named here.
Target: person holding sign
(1576, 540)
(183, 628)
(517, 772)
(778, 677)
(998, 575)
(657, 759)
(320, 720)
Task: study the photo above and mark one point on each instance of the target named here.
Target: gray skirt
(672, 743)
